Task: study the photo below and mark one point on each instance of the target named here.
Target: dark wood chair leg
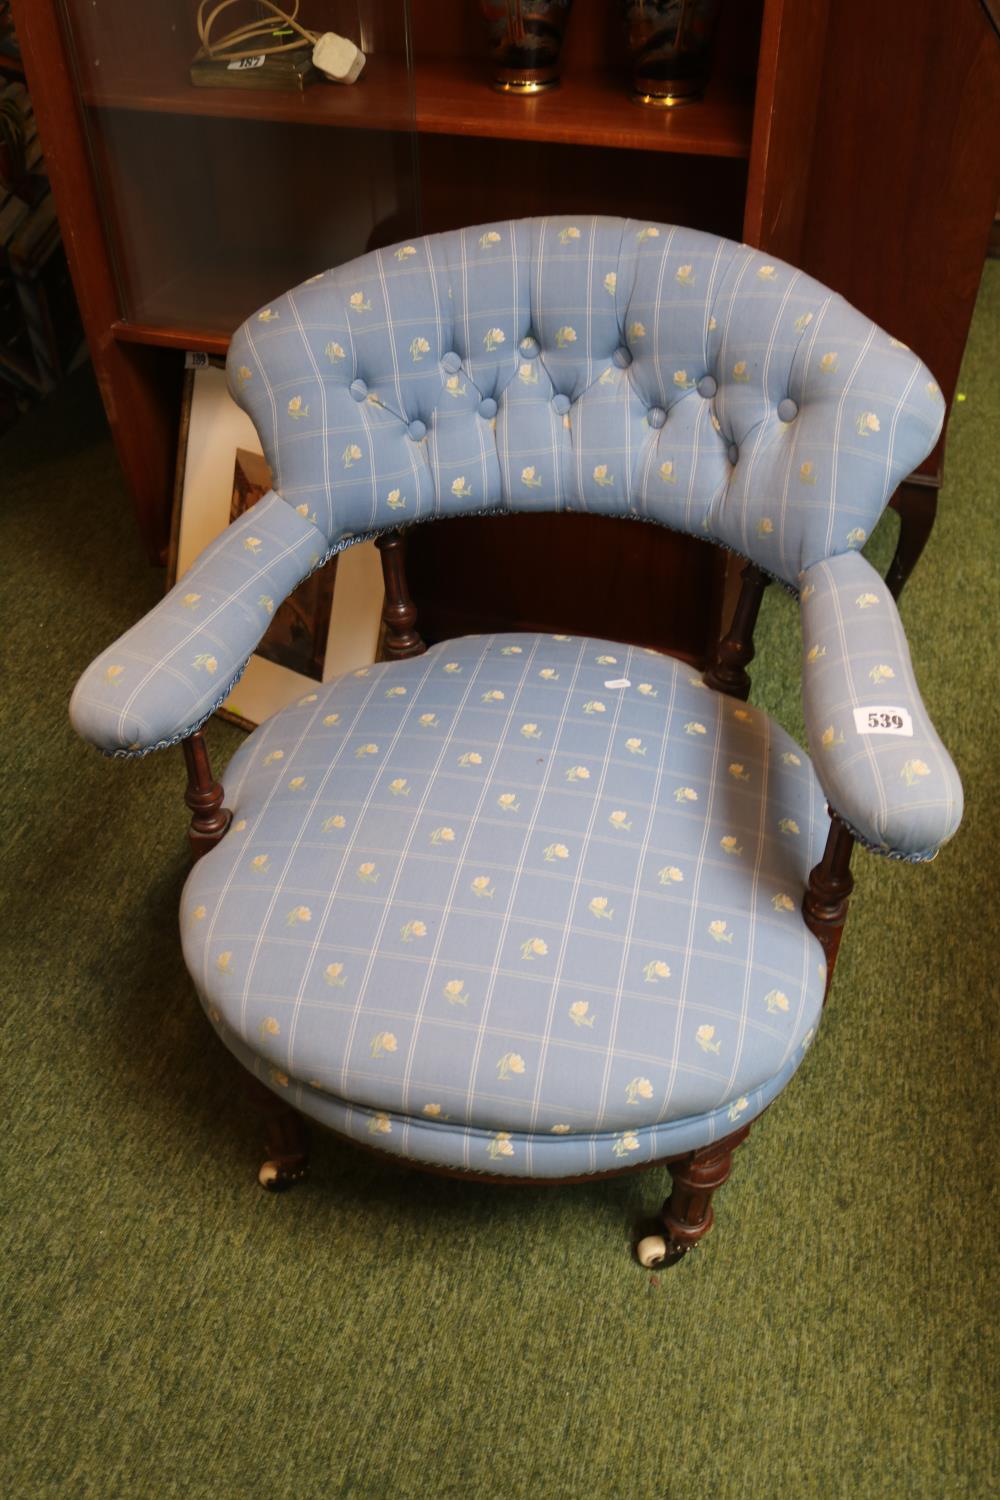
(916, 503)
(399, 613)
(209, 819)
(728, 673)
(828, 894)
(285, 1141)
(688, 1215)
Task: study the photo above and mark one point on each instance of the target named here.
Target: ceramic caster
(278, 1176)
(654, 1252)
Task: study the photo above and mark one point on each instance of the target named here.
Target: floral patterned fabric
(875, 750)
(525, 903)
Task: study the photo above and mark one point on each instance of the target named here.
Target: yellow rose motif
(866, 601)
(807, 472)
(433, 1110)
(359, 302)
(363, 750)
(501, 1145)
(395, 692)
(281, 1079)
(712, 325)
(556, 851)
(509, 1064)
(740, 372)
(405, 251)
(647, 690)
(549, 674)
(766, 273)
(635, 746)
(268, 1027)
(534, 948)
(268, 315)
(482, 886)
(594, 706)
(719, 930)
(206, 663)
(562, 637)
(681, 380)
(380, 1125)
(788, 825)
(729, 844)
(412, 930)
(790, 758)
(452, 668)
(738, 772)
(512, 651)
(571, 233)
(307, 698)
(802, 322)
(606, 661)
(400, 787)
(739, 1107)
(685, 794)
(297, 915)
(455, 992)
(932, 389)
(459, 488)
(743, 716)
(881, 673)
(333, 352)
(382, 1043)
(560, 1130)
(671, 875)
(454, 387)
(602, 477)
(266, 603)
(637, 331)
(530, 478)
(418, 348)
(655, 970)
(638, 1088)
(297, 783)
(334, 975)
(649, 233)
(828, 739)
(489, 238)
(239, 827)
(508, 802)
(704, 1036)
(470, 758)
(765, 526)
(619, 820)
(493, 338)
(695, 728)
(598, 907)
(428, 721)
(199, 913)
(625, 1142)
(527, 374)
(776, 1002)
(667, 473)
(395, 500)
(337, 821)
(868, 423)
(815, 652)
(351, 455)
(296, 409)
(782, 902)
(578, 773)
(111, 674)
(261, 863)
(610, 283)
(913, 770)
(367, 873)
(808, 591)
(224, 963)
(243, 374)
(685, 275)
(190, 600)
(857, 536)
(564, 336)
(579, 1013)
(443, 836)
(828, 364)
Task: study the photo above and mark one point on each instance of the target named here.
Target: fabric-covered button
(452, 362)
(787, 410)
(733, 454)
(656, 416)
(358, 390)
(528, 347)
(561, 404)
(622, 358)
(487, 408)
(417, 430)
(707, 387)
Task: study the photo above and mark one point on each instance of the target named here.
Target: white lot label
(618, 682)
(882, 720)
(242, 64)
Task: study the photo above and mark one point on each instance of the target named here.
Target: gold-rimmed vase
(525, 42)
(670, 45)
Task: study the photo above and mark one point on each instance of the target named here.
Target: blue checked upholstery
(530, 904)
(495, 911)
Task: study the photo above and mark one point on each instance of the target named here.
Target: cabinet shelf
(589, 108)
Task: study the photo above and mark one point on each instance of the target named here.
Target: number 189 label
(880, 719)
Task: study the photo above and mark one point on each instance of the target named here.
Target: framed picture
(331, 623)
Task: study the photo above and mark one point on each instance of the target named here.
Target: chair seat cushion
(526, 903)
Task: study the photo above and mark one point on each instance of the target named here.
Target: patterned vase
(670, 45)
(525, 39)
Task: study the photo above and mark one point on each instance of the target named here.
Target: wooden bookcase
(857, 141)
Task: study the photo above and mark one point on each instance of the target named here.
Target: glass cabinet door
(217, 198)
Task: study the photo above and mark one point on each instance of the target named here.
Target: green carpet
(173, 1331)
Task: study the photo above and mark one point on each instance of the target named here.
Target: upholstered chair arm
(879, 760)
(162, 679)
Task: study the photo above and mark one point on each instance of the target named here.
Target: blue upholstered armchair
(535, 905)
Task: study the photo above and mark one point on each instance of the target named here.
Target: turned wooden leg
(728, 673)
(916, 503)
(285, 1141)
(209, 819)
(827, 897)
(687, 1215)
(399, 613)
